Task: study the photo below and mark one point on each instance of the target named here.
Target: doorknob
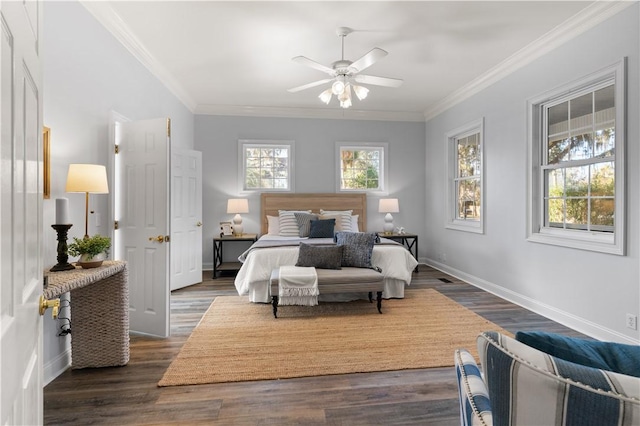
(199, 223)
(54, 304)
(159, 238)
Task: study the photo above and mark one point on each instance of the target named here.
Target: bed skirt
(260, 292)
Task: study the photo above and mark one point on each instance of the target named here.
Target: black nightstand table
(410, 241)
(218, 243)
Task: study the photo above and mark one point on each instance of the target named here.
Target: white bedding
(395, 261)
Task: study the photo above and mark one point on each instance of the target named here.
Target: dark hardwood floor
(129, 395)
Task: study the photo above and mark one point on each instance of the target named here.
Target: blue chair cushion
(610, 356)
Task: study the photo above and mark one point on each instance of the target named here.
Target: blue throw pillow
(322, 228)
(610, 356)
(358, 247)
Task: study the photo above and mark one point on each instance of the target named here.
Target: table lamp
(237, 206)
(90, 179)
(388, 206)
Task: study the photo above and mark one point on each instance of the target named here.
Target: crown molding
(322, 113)
(586, 19)
(108, 17)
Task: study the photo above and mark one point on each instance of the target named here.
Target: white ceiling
(235, 57)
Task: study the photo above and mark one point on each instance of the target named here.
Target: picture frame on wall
(226, 229)
(46, 163)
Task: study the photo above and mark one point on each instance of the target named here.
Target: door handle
(159, 238)
(54, 304)
(199, 223)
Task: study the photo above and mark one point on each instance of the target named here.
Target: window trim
(384, 172)
(578, 239)
(243, 143)
(451, 201)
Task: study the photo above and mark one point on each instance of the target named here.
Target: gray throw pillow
(358, 247)
(321, 257)
(322, 228)
(304, 223)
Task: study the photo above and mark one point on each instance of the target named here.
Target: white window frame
(243, 144)
(451, 138)
(612, 243)
(382, 174)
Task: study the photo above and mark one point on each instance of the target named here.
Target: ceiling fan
(344, 73)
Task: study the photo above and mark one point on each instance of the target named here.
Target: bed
(395, 261)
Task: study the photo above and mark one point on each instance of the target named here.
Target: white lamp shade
(326, 96)
(237, 205)
(388, 205)
(87, 178)
(360, 91)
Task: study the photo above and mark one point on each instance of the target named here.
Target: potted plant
(92, 250)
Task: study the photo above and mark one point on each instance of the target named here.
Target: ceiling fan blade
(302, 60)
(369, 59)
(378, 81)
(310, 85)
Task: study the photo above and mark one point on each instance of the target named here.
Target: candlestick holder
(63, 256)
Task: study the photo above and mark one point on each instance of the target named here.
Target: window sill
(582, 240)
(475, 227)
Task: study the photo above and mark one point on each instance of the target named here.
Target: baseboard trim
(56, 367)
(577, 323)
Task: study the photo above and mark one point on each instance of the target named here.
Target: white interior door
(20, 213)
(186, 218)
(142, 210)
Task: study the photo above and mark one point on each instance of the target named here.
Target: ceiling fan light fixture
(345, 97)
(326, 96)
(361, 92)
(337, 87)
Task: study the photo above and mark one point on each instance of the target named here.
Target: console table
(99, 312)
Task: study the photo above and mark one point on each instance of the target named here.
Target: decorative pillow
(288, 223)
(610, 356)
(354, 223)
(358, 247)
(273, 225)
(322, 228)
(344, 219)
(321, 257)
(304, 222)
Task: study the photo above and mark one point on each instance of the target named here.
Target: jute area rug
(238, 341)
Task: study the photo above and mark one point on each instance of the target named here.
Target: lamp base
(388, 224)
(237, 225)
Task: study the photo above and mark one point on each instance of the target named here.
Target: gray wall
(589, 291)
(87, 74)
(217, 137)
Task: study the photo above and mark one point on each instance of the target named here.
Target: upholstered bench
(334, 281)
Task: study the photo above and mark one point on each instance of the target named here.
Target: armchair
(525, 386)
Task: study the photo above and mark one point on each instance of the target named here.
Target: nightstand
(410, 241)
(218, 244)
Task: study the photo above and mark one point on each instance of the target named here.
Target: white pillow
(273, 225)
(344, 218)
(288, 222)
(354, 223)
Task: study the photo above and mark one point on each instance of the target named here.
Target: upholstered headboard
(271, 202)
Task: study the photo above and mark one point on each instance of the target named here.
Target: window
(577, 149)
(266, 165)
(362, 167)
(464, 178)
